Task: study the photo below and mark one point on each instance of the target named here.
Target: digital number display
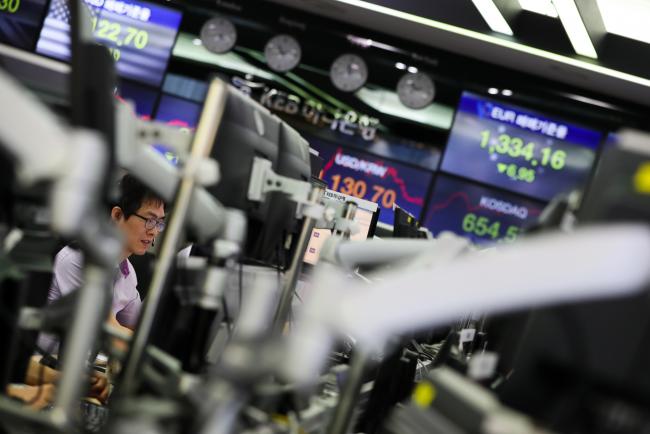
(9, 6)
(139, 35)
(112, 33)
(517, 149)
(20, 21)
(479, 213)
(373, 178)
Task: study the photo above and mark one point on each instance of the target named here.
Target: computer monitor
(580, 365)
(582, 368)
(366, 217)
(25, 263)
(317, 163)
(295, 157)
(406, 225)
(294, 162)
(620, 187)
(92, 83)
(249, 130)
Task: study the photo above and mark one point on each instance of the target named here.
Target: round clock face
(218, 35)
(349, 72)
(416, 91)
(282, 53)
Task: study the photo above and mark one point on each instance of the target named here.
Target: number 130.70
(358, 188)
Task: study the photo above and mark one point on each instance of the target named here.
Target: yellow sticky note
(642, 179)
(424, 394)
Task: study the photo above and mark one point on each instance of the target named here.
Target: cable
(41, 373)
(279, 249)
(226, 315)
(184, 278)
(262, 263)
(420, 351)
(47, 359)
(241, 285)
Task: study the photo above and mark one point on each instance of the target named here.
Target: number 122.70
(110, 31)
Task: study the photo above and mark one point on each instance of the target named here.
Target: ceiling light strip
(542, 7)
(498, 41)
(492, 16)
(575, 28)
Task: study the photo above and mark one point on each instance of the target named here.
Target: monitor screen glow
(20, 21)
(480, 213)
(373, 178)
(363, 218)
(518, 149)
(142, 97)
(140, 35)
(178, 112)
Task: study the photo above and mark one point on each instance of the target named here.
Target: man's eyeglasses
(150, 223)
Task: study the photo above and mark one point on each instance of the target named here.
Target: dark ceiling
(539, 44)
(537, 65)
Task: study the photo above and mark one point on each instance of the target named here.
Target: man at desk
(139, 214)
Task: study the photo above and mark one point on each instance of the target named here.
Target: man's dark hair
(133, 194)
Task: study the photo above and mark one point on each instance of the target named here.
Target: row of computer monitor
(501, 166)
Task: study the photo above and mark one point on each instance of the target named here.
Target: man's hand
(112, 320)
(119, 344)
(37, 397)
(99, 387)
